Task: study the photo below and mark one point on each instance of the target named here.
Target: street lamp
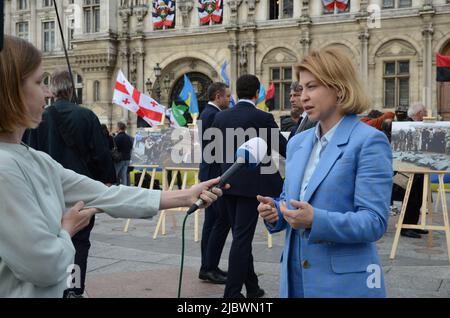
(157, 70)
(167, 84)
(148, 86)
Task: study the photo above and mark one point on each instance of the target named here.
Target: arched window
(96, 91)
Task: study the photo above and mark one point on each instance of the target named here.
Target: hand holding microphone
(249, 154)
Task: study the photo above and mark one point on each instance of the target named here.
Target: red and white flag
(128, 97)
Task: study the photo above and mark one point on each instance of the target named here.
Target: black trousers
(82, 245)
(214, 234)
(243, 216)
(412, 212)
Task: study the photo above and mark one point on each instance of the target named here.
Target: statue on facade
(243, 60)
(234, 6)
(251, 5)
(185, 6)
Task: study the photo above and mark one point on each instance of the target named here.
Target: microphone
(249, 154)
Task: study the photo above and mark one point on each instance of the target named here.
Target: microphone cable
(182, 255)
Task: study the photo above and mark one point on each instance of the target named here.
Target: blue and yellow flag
(188, 96)
(261, 102)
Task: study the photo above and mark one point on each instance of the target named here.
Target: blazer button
(306, 264)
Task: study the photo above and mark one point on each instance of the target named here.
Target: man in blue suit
(237, 124)
(216, 225)
(337, 189)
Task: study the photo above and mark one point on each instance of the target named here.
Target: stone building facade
(392, 42)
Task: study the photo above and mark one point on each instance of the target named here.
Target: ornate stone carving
(427, 5)
(364, 35)
(125, 4)
(125, 14)
(133, 68)
(427, 29)
(140, 12)
(234, 6)
(305, 8)
(396, 48)
(280, 55)
(251, 5)
(185, 6)
(96, 62)
(243, 61)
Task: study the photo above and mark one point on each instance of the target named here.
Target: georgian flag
(126, 96)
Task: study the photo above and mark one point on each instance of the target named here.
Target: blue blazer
(350, 192)
(207, 170)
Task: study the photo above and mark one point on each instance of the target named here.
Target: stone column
(233, 65)
(364, 63)
(251, 51)
(140, 55)
(426, 13)
(427, 35)
(305, 25)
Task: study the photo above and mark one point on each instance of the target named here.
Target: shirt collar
(212, 104)
(248, 101)
(327, 137)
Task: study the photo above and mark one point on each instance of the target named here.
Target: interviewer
(35, 191)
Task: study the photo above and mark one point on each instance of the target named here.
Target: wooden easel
(141, 181)
(426, 207)
(162, 216)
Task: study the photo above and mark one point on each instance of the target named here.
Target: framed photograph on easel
(167, 148)
(421, 146)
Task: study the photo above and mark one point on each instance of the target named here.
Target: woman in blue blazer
(336, 194)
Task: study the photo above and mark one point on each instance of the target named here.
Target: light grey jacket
(35, 191)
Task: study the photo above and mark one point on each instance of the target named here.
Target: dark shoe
(410, 233)
(257, 294)
(419, 231)
(221, 272)
(213, 277)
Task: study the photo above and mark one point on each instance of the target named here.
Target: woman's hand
(302, 218)
(201, 191)
(267, 210)
(75, 219)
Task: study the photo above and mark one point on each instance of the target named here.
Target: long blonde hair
(18, 60)
(334, 69)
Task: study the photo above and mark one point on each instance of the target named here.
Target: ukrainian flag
(261, 102)
(188, 96)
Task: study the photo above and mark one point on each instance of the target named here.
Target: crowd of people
(331, 230)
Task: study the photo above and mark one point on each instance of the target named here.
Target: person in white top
(42, 204)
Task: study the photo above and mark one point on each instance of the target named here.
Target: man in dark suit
(216, 225)
(244, 121)
(303, 122)
(72, 135)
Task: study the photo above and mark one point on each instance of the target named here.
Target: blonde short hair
(18, 60)
(334, 69)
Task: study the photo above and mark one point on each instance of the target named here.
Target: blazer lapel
(298, 164)
(331, 153)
